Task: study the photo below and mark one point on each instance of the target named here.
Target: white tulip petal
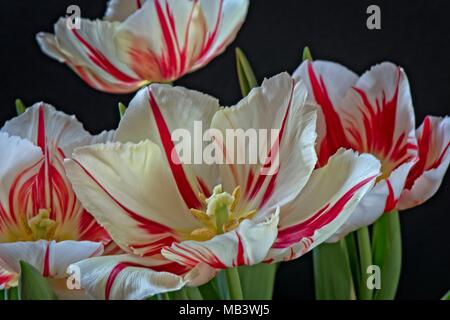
(286, 163)
(129, 190)
(325, 204)
(127, 277)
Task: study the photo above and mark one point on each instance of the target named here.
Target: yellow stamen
(203, 217)
(41, 226)
(237, 198)
(203, 234)
(248, 215)
(220, 215)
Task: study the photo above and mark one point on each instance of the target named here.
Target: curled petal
(434, 157)
(325, 204)
(246, 245)
(129, 277)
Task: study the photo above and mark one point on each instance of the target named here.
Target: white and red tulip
(141, 41)
(41, 220)
(374, 114)
(180, 223)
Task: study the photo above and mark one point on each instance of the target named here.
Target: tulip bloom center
(39, 227)
(220, 215)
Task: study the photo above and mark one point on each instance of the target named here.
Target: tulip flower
(424, 179)
(139, 42)
(41, 220)
(179, 223)
(373, 114)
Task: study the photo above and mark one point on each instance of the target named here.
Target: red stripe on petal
(181, 180)
(294, 234)
(424, 163)
(213, 36)
(378, 137)
(193, 256)
(46, 272)
(240, 256)
(102, 62)
(170, 267)
(335, 137)
(150, 226)
(41, 136)
(391, 201)
(5, 279)
(170, 56)
(272, 154)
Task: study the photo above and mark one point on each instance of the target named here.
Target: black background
(414, 34)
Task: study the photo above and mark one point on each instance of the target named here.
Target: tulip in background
(374, 114)
(41, 220)
(139, 42)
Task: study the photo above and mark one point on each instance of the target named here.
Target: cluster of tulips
(115, 216)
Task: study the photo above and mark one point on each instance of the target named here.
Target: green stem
(353, 256)
(365, 260)
(387, 254)
(164, 296)
(258, 281)
(194, 294)
(332, 272)
(234, 283)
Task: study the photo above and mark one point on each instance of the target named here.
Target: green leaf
(122, 109)
(247, 79)
(332, 275)
(20, 107)
(387, 254)
(307, 54)
(446, 296)
(258, 281)
(2, 294)
(210, 291)
(32, 286)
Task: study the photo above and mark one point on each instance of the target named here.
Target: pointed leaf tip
(307, 54)
(20, 107)
(32, 285)
(122, 109)
(247, 78)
